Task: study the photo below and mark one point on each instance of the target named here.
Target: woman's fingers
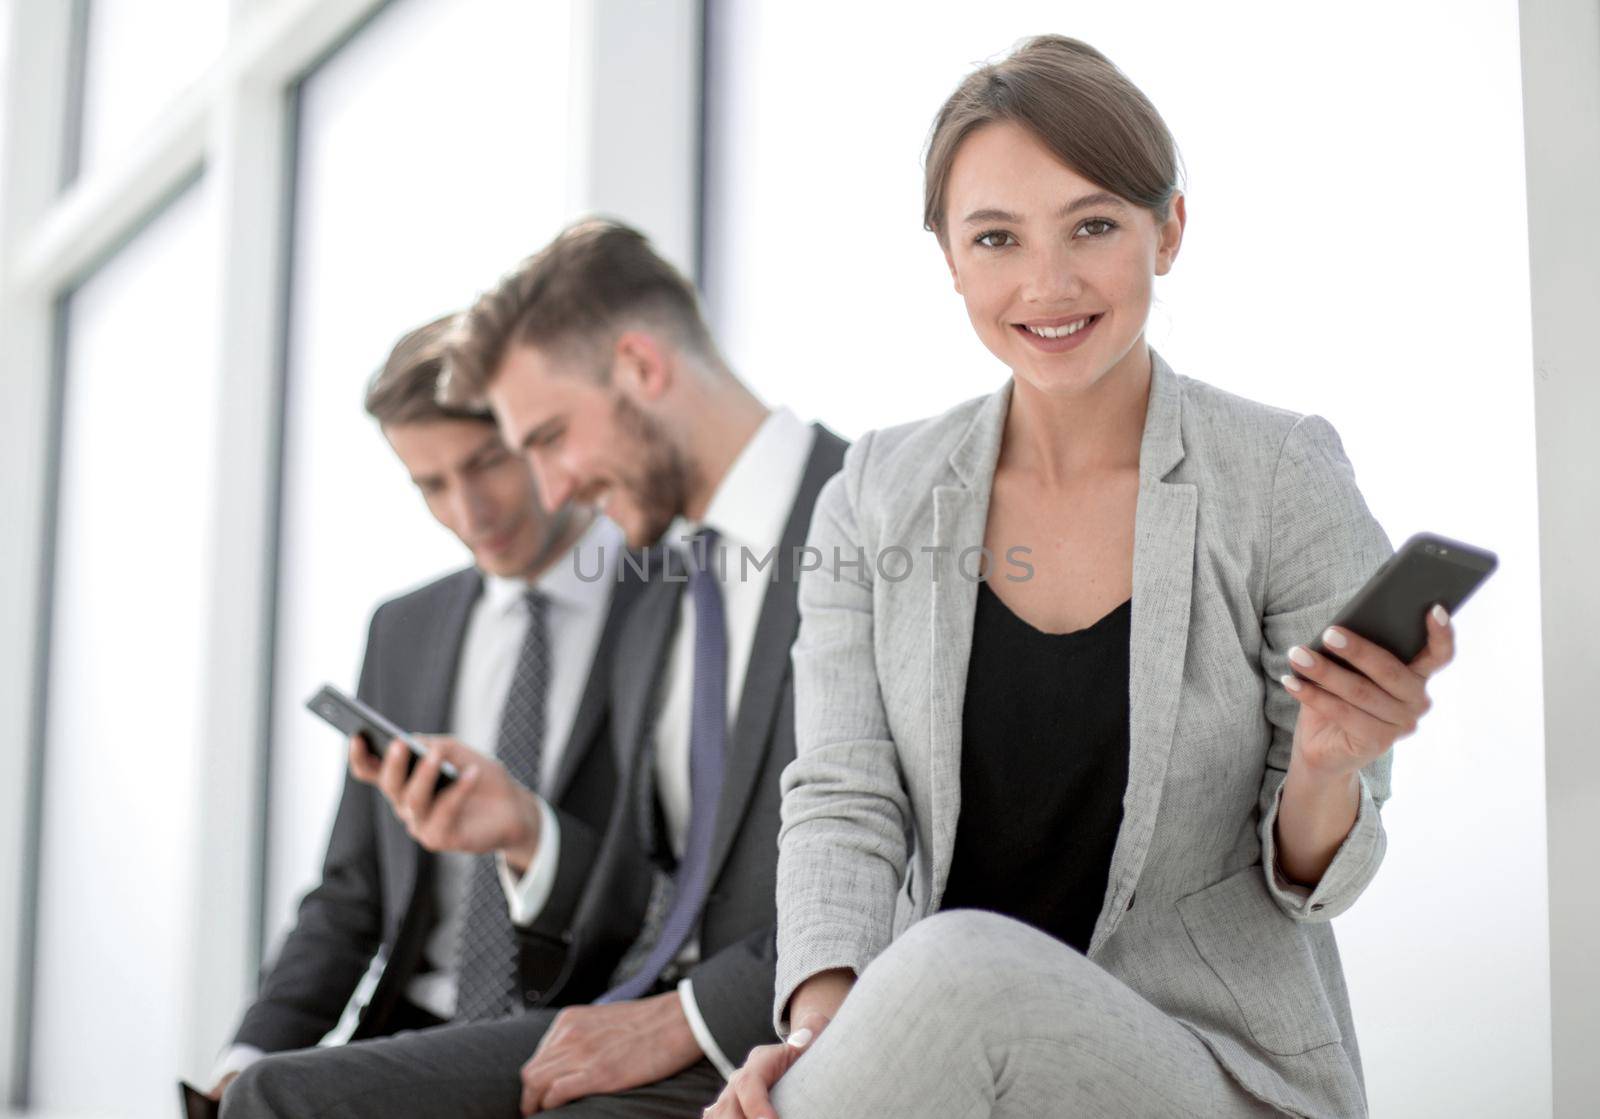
(748, 1094)
(1441, 647)
(1358, 689)
(1364, 732)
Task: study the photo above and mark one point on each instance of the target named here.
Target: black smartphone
(196, 1104)
(355, 718)
(1390, 608)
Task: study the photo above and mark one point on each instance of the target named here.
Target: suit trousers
(974, 1014)
(470, 1071)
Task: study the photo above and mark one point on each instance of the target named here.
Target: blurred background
(219, 214)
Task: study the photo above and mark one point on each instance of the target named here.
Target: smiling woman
(1069, 847)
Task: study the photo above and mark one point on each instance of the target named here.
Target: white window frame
(636, 87)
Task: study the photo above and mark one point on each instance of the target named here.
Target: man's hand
(484, 810)
(222, 1085)
(597, 1050)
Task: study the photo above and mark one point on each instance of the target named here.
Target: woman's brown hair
(1078, 104)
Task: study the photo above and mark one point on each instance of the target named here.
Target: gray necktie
(489, 985)
(708, 732)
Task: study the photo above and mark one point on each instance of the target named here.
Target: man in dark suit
(598, 365)
(500, 654)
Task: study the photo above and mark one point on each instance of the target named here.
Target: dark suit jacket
(376, 889)
(603, 882)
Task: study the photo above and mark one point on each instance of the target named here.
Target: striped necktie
(489, 983)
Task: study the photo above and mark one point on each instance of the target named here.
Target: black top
(1044, 764)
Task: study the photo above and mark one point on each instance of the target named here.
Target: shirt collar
(751, 505)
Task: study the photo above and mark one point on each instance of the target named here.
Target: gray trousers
(468, 1071)
(973, 1014)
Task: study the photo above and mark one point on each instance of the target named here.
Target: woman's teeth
(1059, 331)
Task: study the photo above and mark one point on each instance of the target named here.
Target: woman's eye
(1097, 227)
(994, 239)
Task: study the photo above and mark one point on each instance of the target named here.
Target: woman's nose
(1052, 278)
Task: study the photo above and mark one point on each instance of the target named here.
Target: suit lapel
(429, 652)
(1163, 574)
(438, 652)
(960, 512)
(768, 669)
(591, 708)
(643, 649)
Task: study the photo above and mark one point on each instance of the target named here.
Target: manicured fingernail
(800, 1038)
(471, 773)
(1300, 657)
(1333, 637)
(1290, 682)
(1441, 615)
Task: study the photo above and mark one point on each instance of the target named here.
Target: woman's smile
(1057, 336)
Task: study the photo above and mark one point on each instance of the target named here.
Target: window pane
(1356, 246)
(126, 673)
(432, 157)
(138, 56)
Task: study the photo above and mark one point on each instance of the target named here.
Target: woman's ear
(950, 263)
(1170, 235)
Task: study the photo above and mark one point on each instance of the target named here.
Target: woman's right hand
(748, 1094)
(815, 1002)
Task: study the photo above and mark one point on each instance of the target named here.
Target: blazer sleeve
(1323, 544)
(340, 922)
(842, 843)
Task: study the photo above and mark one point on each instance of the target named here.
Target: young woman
(1066, 841)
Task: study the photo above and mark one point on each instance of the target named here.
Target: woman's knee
(986, 965)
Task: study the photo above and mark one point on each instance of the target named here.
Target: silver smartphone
(353, 717)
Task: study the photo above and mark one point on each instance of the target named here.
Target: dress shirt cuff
(702, 1033)
(526, 896)
(235, 1058)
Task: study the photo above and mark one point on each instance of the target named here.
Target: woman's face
(1056, 272)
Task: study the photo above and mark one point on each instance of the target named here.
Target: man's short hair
(575, 296)
(406, 389)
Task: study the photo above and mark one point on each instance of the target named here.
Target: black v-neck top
(1044, 764)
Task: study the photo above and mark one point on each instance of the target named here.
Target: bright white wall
(126, 673)
(432, 158)
(1357, 247)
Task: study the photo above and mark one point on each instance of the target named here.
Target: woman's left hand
(747, 1093)
(1348, 719)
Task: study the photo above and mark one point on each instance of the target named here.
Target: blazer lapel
(636, 680)
(960, 513)
(769, 653)
(591, 708)
(439, 657)
(428, 683)
(1163, 574)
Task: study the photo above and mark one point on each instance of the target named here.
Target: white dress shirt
(749, 510)
(490, 649)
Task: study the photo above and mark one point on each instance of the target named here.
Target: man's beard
(660, 488)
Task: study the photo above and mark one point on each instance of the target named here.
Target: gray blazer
(1249, 534)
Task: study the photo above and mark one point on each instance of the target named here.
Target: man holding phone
(511, 655)
(601, 370)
